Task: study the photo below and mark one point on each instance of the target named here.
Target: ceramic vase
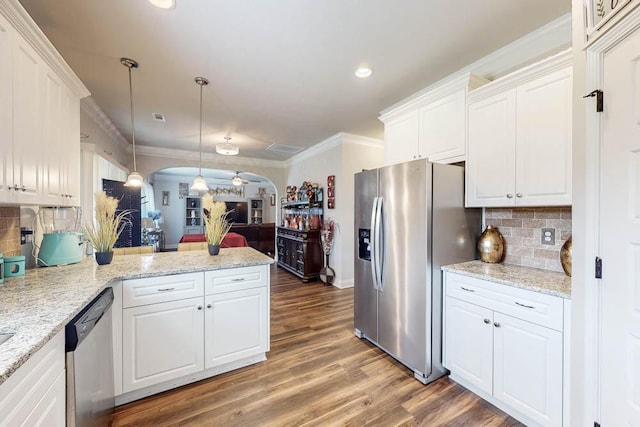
(565, 256)
(103, 258)
(213, 249)
(491, 245)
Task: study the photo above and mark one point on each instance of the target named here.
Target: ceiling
(280, 72)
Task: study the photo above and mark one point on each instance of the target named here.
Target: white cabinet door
(401, 138)
(71, 141)
(27, 122)
(236, 326)
(51, 409)
(469, 343)
(528, 368)
(52, 142)
(6, 133)
(161, 342)
(443, 129)
(543, 147)
(490, 168)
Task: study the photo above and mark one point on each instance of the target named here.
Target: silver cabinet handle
(199, 307)
(509, 196)
(241, 279)
(465, 289)
(165, 289)
(518, 194)
(496, 324)
(209, 306)
(487, 321)
(524, 305)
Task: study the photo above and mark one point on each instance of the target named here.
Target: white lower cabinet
(161, 342)
(235, 326)
(35, 394)
(513, 360)
(176, 330)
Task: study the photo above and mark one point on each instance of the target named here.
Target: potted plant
(215, 223)
(104, 232)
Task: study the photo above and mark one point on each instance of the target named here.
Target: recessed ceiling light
(363, 72)
(163, 4)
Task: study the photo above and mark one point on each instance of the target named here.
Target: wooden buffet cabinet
(259, 236)
(300, 252)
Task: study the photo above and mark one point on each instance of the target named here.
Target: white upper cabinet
(431, 125)
(39, 116)
(519, 138)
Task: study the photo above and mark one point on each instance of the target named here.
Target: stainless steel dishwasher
(89, 362)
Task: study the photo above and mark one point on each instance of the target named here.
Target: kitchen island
(38, 306)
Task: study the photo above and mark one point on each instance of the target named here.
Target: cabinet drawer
(152, 290)
(542, 309)
(235, 279)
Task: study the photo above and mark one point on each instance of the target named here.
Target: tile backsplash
(10, 230)
(522, 231)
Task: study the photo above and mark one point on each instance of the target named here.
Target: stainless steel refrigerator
(409, 221)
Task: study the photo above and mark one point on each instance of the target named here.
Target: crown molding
(334, 141)
(545, 41)
(93, 110)
(465, 81)
(27, 28)
(231, 161)
(556, 62)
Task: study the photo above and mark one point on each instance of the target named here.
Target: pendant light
(134, 179)
(199, 184)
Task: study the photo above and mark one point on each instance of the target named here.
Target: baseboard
(344, 284)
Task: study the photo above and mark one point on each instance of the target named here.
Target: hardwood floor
(317, 373)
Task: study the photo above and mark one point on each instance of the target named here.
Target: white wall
(341, 155)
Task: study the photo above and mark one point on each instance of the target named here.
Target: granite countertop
(38, 305)
(533, 279)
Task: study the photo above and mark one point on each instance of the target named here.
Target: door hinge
(599, 99)
(598, 268)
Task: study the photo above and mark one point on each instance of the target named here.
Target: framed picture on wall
(272, 200)
(165, 198)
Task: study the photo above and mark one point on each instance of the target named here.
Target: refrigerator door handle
(379, 243)
(373, 243)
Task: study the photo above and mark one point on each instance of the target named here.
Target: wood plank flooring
(316, 374)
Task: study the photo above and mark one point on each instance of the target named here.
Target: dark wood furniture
(261, 237)
(300, 252)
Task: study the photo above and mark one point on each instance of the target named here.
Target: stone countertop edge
(533, 279)
(39, 304)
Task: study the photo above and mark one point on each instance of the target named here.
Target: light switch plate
(548, 236)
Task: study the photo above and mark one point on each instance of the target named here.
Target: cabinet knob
(518, 194)
(209, 306)
(509, 196)
(496, 324)
(23, 188)
(199, 307)
(487, 321)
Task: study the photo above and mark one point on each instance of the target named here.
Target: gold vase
(491, 245)
(565, 256)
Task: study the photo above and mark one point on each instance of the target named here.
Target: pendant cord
(133, 129)
(200, 163)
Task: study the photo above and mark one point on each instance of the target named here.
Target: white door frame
(586, 323)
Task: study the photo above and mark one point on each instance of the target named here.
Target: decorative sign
(331, 192)
(231, 190)
(601, 11)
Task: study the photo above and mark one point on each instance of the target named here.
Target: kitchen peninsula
(38, 306)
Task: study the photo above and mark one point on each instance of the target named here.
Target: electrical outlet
(548, 236)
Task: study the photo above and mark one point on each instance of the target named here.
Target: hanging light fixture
(237, 180)
(227, 149)
(134, 179)
(199, 184)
